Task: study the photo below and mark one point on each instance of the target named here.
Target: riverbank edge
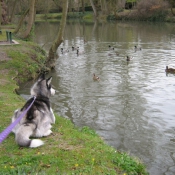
(125, 15)
(70, 149)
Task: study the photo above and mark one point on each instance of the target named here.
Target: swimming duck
(169, 70)
(137, 49)
(110, 48)
(96, 77)
(113, 52)
(78, 52)
(62, 50)
(128, 58)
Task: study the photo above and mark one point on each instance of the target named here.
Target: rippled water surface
(133, 105)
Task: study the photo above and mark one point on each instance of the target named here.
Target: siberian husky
(37, 121)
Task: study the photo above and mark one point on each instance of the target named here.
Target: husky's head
(42, 87)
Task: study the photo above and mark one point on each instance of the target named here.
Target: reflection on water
(131, 107)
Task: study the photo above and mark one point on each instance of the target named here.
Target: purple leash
(7, 131)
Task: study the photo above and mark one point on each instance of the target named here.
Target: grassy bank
(87, 16)
(134, 15)
(69, 150)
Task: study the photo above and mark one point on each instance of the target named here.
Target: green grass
(87, 16)
(69, 150)
(49, 17)
(27, 58)
(3, 35)
(122, 14)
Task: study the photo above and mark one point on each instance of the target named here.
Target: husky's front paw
(48, 133)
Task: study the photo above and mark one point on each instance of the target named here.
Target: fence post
(10, 37)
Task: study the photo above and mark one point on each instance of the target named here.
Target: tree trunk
(13, 10)
(35, 10)
(21, 21)
(30, 19)
(115, 7)
(83, 6)
(59, 39)
(172, 11)
(78, 6)
(102, 7)
(0, 14)
(4, 15)
(105, 7)
(94, 9)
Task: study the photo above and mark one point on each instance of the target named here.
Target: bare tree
(21, 21)
(59, 39)
(94, 8)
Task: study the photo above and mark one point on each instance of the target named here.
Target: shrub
(152, 9)
(149, 7)
(111, 17)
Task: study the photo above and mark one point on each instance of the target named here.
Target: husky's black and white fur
(37, 122)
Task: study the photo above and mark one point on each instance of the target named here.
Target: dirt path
(3, 56)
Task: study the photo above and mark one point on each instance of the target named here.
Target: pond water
(133, 105)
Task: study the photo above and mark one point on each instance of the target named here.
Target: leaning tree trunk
(94, 9)
(21, 21)
(59, 39)
(30, 20)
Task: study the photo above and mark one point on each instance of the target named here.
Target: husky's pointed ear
(41, 77)
(48, 81)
